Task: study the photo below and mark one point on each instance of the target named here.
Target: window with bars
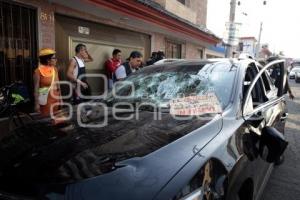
(173, 49)
(200, 51)
(18, 43)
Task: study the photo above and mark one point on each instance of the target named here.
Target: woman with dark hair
(46, 90)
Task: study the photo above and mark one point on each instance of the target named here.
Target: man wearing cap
(46, 90)
(76, 72)
(133, 63)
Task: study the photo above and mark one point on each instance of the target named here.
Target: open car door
(278, 74)
(265, 112)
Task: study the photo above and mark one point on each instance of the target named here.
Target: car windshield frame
(192, 69)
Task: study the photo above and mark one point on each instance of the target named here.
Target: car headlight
(206, 183)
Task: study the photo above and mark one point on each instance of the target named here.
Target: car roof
(178, 65)
(167, 60)
(296, 68)
(201, 61)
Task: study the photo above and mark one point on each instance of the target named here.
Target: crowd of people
(116, 70)
(47, 93)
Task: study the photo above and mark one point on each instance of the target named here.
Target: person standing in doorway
(76, 71)
(46, 90)
(111, 65)
(133, 63)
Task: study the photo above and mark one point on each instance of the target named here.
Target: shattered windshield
(159, 85)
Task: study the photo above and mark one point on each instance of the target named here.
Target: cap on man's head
(46, 52)
(135, 54)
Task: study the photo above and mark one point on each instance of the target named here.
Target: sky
(281, 27)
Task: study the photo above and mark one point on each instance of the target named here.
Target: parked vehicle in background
(292, 73)
(297, 75)
(220, 130)
(296, 63)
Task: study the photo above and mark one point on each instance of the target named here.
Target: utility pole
(258, 43)
(231, 31)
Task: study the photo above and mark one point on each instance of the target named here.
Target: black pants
(84, 91)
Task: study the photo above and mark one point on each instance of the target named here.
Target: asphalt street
(284, 183)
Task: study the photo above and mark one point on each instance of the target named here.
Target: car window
(258, 95)
(271, 90)
(266, 82)
(276, 73)
(275, 83)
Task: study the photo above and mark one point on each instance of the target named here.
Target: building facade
(177, 27)
(264, 52)
(247, 45)
(216, 51)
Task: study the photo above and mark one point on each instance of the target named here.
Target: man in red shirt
(111, 65)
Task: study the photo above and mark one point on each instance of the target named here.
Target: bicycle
(11, 98)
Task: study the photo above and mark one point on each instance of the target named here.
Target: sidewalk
(285, 179)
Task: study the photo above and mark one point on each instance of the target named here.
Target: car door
(250, 166)
(264, 102)
(280, 106)
(264, 106)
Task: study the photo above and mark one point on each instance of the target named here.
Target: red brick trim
(147, 14)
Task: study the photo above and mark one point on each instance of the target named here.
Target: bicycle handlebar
(6, 91)
(10, 85)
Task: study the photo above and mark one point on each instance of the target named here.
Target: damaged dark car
(201, 129)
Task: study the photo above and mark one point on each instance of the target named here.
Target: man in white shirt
(133, 63)
(76, 68)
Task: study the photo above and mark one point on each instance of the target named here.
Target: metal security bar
(18, 43)
(173, 49)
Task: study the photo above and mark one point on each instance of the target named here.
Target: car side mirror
(272, 144)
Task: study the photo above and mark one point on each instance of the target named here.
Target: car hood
(121, 156)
